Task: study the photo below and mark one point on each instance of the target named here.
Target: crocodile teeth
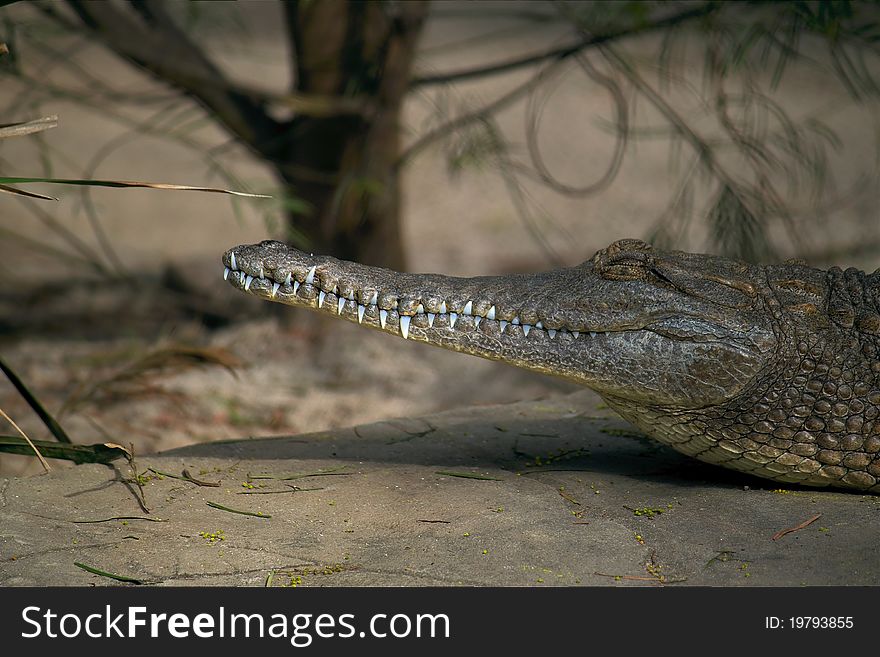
(287, 280)
(232, 261)
(503, 325)
(431, 319)
(383, 316)
(491, 313)
(374, 298)
(420, 309)
(247, 282)
(468, 309)
(262, 273)
(225, 273)
(442, 310)
(576, 334)
(340, 306)
(310, 277)
(526, 329)
(477, 320)
(361, 310)
(453, 317)
(551, 333)
(321, 296)
(295, 286)
(404, 325)
(539, 325)
(274, 291)
(515, 321)
(593, 334)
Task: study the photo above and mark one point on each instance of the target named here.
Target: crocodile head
(641, 326)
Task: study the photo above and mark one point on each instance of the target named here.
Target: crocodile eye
(624, 267)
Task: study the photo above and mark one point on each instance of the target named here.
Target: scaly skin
(771, 370)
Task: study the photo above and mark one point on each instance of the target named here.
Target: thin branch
(563, 52)
(41, 247)
(164, 50)
(556, 58)
(533, 113)
(518, 197)
(750, 148)
(480, 114)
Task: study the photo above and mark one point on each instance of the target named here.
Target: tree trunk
(344, 166)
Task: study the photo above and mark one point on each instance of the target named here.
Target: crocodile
(771, 370)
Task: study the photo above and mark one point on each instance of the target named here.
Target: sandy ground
(293, 374)
(567, 495)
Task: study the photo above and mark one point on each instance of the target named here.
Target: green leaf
(103, 573)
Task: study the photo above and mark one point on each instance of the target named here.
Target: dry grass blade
(97, 453)
(15, 180)
(173, 358)
(29, 441)
(805, 523)
(323, 472)
(257, 514)
(6, 189)
(115, 518)
(185, 476)
(22, 128)
(466, 475)
(179, 357)
(50, 422)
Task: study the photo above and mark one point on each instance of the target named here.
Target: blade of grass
(466, 475)
(292, 489)
(98, 453)
(28, 127)
(103, 573)
(53, 426)
(16, 180)
(324, 472)
(29, 441)
(137, 480)
(6, 189)
(186, 476)
(89, 522)
(258, 514)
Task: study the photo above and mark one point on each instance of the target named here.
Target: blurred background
(464, 138)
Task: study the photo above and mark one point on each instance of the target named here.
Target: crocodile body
(771, 370)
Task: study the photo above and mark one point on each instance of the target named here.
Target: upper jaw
(650, 337)
(568, 303)
(277, 272)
